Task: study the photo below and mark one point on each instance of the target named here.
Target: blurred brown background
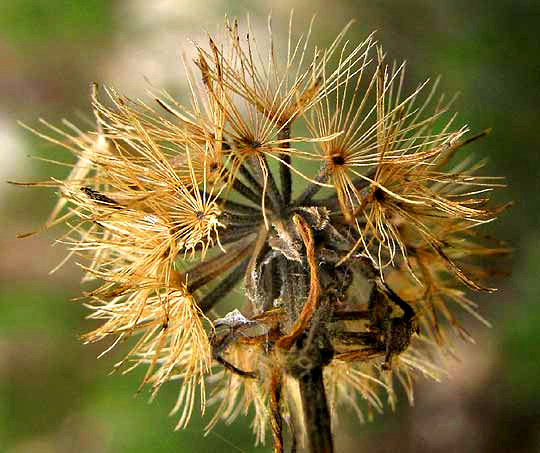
(56, 397)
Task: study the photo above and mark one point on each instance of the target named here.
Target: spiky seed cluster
(352, 269)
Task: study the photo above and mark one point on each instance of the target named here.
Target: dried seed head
(345, 288)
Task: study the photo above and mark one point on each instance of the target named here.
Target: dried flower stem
(317, 417)
(276, 420)
(285, 170)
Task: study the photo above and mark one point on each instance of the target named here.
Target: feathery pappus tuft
(344, 279)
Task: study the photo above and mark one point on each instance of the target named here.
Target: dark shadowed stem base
(316, 415)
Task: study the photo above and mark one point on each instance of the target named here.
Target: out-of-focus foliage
(28, 22)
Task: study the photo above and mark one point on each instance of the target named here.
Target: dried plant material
(341, 291)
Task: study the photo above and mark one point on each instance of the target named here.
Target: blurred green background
(55, 396)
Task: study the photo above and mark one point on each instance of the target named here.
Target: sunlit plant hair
(296, 239)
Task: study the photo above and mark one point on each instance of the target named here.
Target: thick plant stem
(316, 414)
(284, 168)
